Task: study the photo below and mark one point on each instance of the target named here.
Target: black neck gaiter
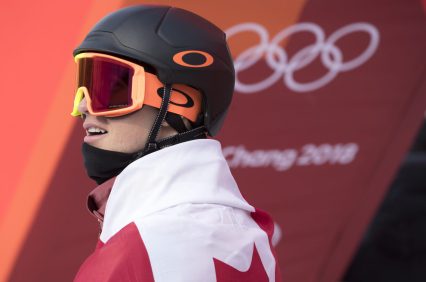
(102, 165)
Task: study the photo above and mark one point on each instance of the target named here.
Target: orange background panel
(37, 78)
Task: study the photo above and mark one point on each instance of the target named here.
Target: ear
(166, 131)
(164, 124)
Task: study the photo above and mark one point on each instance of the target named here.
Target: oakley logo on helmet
(193, 59)
(188, 104)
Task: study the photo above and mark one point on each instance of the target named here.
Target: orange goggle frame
(114, 87)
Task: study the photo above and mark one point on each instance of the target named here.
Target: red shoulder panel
(122, 258)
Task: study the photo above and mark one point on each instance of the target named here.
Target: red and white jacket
(178, 215)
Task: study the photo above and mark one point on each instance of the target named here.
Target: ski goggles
(114, 87)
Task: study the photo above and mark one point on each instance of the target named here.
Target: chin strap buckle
(151, 147)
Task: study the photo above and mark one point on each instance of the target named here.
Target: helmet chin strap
(152, 144)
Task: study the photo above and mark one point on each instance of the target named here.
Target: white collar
(191, 172)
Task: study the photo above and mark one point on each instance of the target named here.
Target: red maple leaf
(255, 273)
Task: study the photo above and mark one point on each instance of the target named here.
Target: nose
(82, 106)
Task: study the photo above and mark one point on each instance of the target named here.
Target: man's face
(126, 134)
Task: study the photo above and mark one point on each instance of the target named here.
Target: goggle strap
(193, 98)
(151, 144)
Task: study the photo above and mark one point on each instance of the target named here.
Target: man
(153, 82)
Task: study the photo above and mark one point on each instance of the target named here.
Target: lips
(93, 132)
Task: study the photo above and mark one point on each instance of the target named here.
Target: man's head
(150, 77)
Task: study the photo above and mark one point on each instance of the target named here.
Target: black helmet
(182, 48)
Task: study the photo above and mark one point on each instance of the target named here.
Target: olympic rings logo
(284, 67)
